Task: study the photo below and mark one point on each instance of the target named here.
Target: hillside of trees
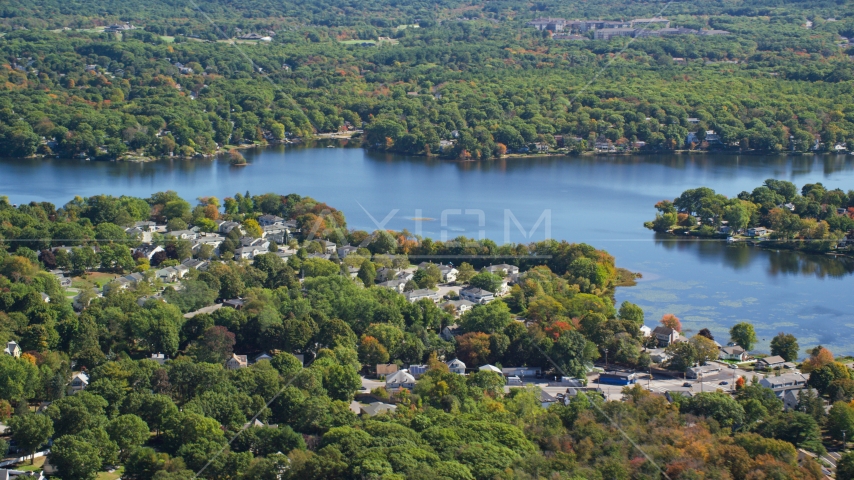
(486, 84)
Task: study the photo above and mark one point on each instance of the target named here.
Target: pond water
(602, 201)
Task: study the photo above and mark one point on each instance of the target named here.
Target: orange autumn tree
(819, 357)
(473, 348)
(672, 321)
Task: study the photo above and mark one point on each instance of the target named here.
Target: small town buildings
(328, 247)
(477, 295)
(386, 369)
(159, 358)
(757, 231)
(400, 379)
(235, 303)
(665, 335)
(448, 272)
(617, 378)
(645, 331)
(79, 381)
(147, 251)
(457, 366)
(13, 349)
(609, 33)
(733, 353)
(658, 355)
(236, 361)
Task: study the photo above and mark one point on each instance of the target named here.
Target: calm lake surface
(602, 201)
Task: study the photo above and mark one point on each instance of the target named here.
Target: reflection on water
(740, 256)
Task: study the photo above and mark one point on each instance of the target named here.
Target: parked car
(724, 383)
(686, 384)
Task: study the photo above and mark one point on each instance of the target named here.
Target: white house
(733, 353)
(477, 295)
(79, 381)
(457, 366)
(400, 379)
(397, 285)
(491, 368)
(270, 220)
(416, 295)
(503, 267)
(757, 231)
(645, 331)
(12, 349)
(448, 272)
(159, 358)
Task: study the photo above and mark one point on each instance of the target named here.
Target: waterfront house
(665, 335)
(772, 362)
(733, 353)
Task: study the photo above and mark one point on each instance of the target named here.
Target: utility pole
(606, 359)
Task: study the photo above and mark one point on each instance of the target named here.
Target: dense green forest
(169, 420)
(472, 81)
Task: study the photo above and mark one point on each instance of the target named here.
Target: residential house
(786, 381)
(195, 264)
(645, 331)
(275, 233)
(416, 295)
(147, 251)
(79, 381)
(665, 335)
(448, 272)
(250, 252)
(226, 227)
(477, 295)
(396, 285)
(503, 269)
(460, 306)
(183, 234)
(167, 275)
(400, 379)
(757, 231)
(457, 366)
(159, 358)
(235, 303)
(602, 144)
(384, 369)
(262, 356)
(353, 272)
(449, 332)
(490, 368)
(236, 361)
(377, 408)
(346, 250)
(418, 370)
(325, 256)
(772, 362)
(790, 398)
(270, 220)
(658, 355)
(609, 33)
(733, 353)
(13, 349)
(329, 247)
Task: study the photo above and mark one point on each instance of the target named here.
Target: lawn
(115, 475)
(357, 42)
(26, 467)
(93, 280)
